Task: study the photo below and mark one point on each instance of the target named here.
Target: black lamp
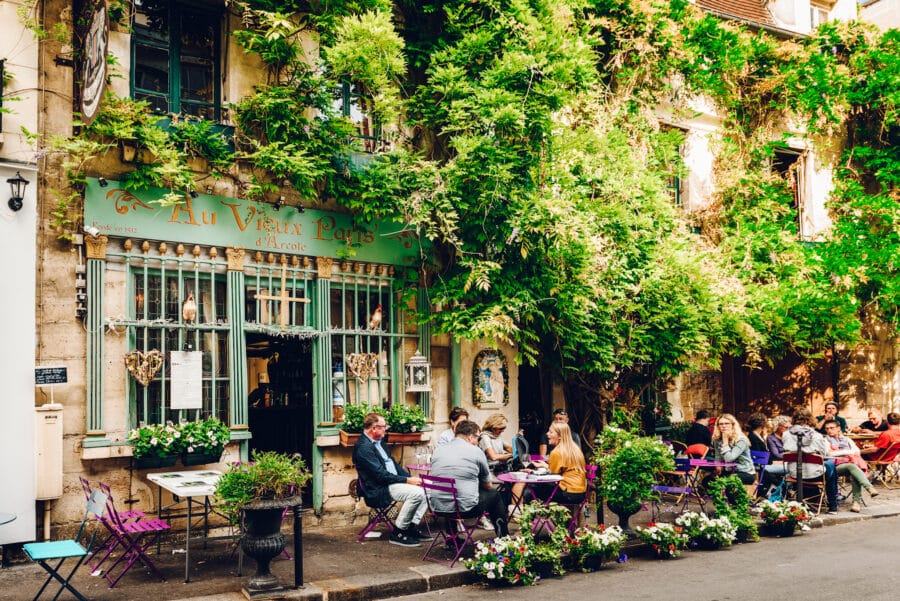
(278, 203)
(17, 191)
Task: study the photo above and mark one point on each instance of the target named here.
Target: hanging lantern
(418, 374)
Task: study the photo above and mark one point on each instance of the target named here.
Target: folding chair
(884, 466)
(135, 537)
(679, 449)
(680, 492)
(760, 461)
(111, 542)
(377, 515)
(696, 451)
(62, 550)
(578, 510)
(817, 483)
(456, 521)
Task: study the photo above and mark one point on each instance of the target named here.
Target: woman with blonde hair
(498, 452)
(567, 460)
(730, 445)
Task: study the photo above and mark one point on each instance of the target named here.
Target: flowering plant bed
(706, 532)
(782, 517)
(504, 560)
(591, 545)
(155, 440)
(667, 540)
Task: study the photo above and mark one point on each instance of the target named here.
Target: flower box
(348, 439)
(189, 459)
(147, 463)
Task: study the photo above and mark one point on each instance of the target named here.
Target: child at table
(567, 460)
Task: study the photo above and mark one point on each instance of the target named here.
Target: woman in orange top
(566, 460)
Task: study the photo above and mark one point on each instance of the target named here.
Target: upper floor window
(356, 108)
(817, 16)
(175, 54)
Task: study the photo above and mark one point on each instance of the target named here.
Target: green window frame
(356, 108)
(158, 287)
(175, 57)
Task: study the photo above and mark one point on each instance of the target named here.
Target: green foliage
(355, 414)
(401, 417)
(731, 500)
(628, 466)
(268, 475)
(155, 440)
(205, 436)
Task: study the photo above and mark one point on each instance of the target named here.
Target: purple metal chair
(456, 522)
(377, 515)
(133, 536)
(111, 542)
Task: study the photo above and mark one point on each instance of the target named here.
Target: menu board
(187, 379)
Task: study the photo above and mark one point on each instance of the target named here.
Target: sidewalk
(336, 567)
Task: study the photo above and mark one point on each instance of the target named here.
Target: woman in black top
(757, 432)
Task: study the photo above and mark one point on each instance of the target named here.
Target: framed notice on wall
(187, 379)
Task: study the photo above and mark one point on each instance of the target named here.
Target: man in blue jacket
(385, 480)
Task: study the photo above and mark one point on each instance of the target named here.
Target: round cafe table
(6, 518)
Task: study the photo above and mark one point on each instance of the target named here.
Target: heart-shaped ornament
(144, 366)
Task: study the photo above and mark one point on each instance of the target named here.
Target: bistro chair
(377, 515)
(44, 553)
(885, 466)
(679, 449)
(458, 525)
(111, 542)
(696, 451)
(135, 537)
(760, 461)
(579, 510)
(816, 484)
(676, 491)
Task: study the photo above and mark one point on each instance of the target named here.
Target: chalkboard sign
(44, 376)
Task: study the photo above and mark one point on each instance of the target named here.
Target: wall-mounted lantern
(17, 191)
(418, 374)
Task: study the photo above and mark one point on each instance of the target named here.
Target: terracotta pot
(348, 439)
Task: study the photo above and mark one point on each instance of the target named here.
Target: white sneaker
(486, 523)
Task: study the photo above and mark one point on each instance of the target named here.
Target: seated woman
(497, 450)
(567, 460)
(732, 446)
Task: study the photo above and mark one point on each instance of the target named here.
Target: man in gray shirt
(462, 460)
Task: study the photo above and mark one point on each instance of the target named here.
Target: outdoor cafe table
(6, 518)
(508, 479)
(191, 487)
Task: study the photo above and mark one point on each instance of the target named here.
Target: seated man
(384, 480)
(457, 414)
(831, 412)
(886, 438)
(848, 462)
(803, 436)
(462, 460)
(699, 432)
(559, 416)
(873, 425)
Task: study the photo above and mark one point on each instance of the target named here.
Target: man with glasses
(848, 462)
(385, 480)
(462, 460)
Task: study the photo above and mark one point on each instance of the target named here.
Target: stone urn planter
(263, 541)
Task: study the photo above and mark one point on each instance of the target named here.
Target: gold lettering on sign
(186, 208)
(235, 211)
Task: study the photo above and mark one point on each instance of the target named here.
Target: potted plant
(352, 426)
(730, 498)
(537, 517)
(504, 560)
(405, 423)
(628, 465)
(782, 517)
(255, 494)
(705, 532)
(666, 540)
(155, 445)
(591, 545)
(203, 441)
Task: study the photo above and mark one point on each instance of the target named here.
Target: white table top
(199, 483)
(526, 477)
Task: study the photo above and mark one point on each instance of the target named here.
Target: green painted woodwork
(222, 221)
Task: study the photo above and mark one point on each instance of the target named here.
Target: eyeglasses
(724, 423)
(380, 427)
(498, 430)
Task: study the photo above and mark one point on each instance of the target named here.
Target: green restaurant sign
(221, 221)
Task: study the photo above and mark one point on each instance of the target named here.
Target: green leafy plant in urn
(258, 492)
(628, 465)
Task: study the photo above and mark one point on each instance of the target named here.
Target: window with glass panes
(177, 303)
(275, 295)
(368, 328)
(353, 106)
(175, 57)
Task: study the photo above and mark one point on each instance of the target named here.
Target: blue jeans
(831, 486)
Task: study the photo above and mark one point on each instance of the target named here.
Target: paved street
(848, 561)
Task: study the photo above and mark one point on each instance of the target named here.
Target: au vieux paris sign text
(220, 221)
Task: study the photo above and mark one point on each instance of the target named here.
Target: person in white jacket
(803, 436)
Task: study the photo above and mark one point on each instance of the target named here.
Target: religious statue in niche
(490, 379)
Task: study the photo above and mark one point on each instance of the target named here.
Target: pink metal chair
(455, 523)
(377, 515)
(133, 536)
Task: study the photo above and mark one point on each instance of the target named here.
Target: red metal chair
(455, 523)
(817, 483)
(884, 466)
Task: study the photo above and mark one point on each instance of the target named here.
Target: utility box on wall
(48, 446)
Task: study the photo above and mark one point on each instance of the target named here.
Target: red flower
(506, 560)
(671, 547)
